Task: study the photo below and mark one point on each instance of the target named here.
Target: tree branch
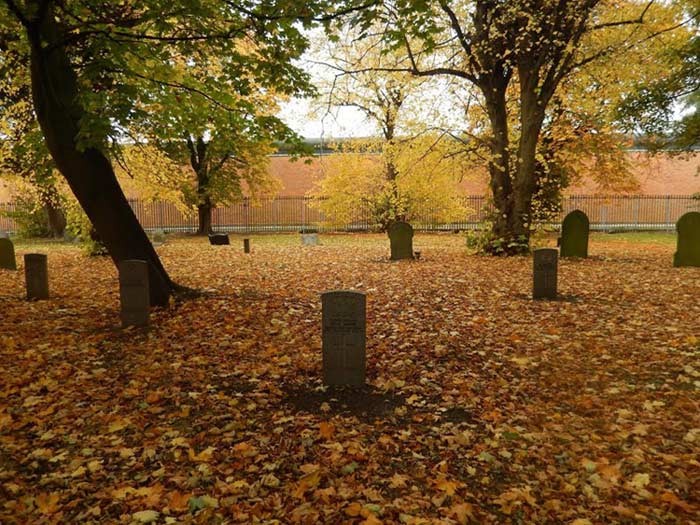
(639, 20)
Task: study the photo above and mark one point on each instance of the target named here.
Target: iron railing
(286, 214)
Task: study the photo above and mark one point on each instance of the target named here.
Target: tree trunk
(57, 220)
(199, 161)
(531, 118)
(88, 171)
(513, 175)
(204, 214)
(504, 234)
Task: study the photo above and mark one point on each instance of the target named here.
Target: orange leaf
(326, 430)
(47, 503)
(178, 500)
(353, 509)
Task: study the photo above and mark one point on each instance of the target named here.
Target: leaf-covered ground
(482, 406)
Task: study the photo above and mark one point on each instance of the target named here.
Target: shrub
(30, 218)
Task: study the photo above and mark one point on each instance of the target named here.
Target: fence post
(246, 200)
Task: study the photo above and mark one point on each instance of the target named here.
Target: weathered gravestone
(133, 292)
(7, 255)
(544, 274)
(344, 337)
(158, 237)
(574, 235)
(36, 276)
(309, 237)
(688, 247)
(219, 239)
(246, 245)
(401, 240)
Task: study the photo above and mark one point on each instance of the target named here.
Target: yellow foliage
(356, 181)
(148, 172)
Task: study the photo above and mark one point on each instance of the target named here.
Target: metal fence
(286, 214)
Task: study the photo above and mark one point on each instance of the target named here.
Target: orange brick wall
(662, 175)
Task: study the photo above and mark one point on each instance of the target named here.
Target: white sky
(339, 122)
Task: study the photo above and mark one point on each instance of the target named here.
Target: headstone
(574, 235)
(36, 276)
(7, 255)
(688, 248)
(133, 292)
(158, 237)
(544, 265)
(246, 245)
(68, 236)
(401, 240)
(344, 337)
(219, 239)
(309, 237)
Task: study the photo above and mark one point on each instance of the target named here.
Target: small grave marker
(688, 247)
(7, 254)
(219, 239)
(401, 240)
(544, 281)
(246, 245)
(574, 235)
(344, 337)
(36, 276)
(158, 237)
(309, 237)
(133, 292)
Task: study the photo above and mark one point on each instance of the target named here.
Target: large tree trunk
(87, 171)
(204, 214)
(513, 174)
(503, 231)
(199, 161)
(531, 118)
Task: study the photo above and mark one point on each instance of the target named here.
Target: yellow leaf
(47, 503)
(307, 482)
(639, 481)
(145, 516)
(119, 424)
(448, 487)
(463, 512)
(122, 492)
(398, 480)
(80, 471)
(204, 456)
